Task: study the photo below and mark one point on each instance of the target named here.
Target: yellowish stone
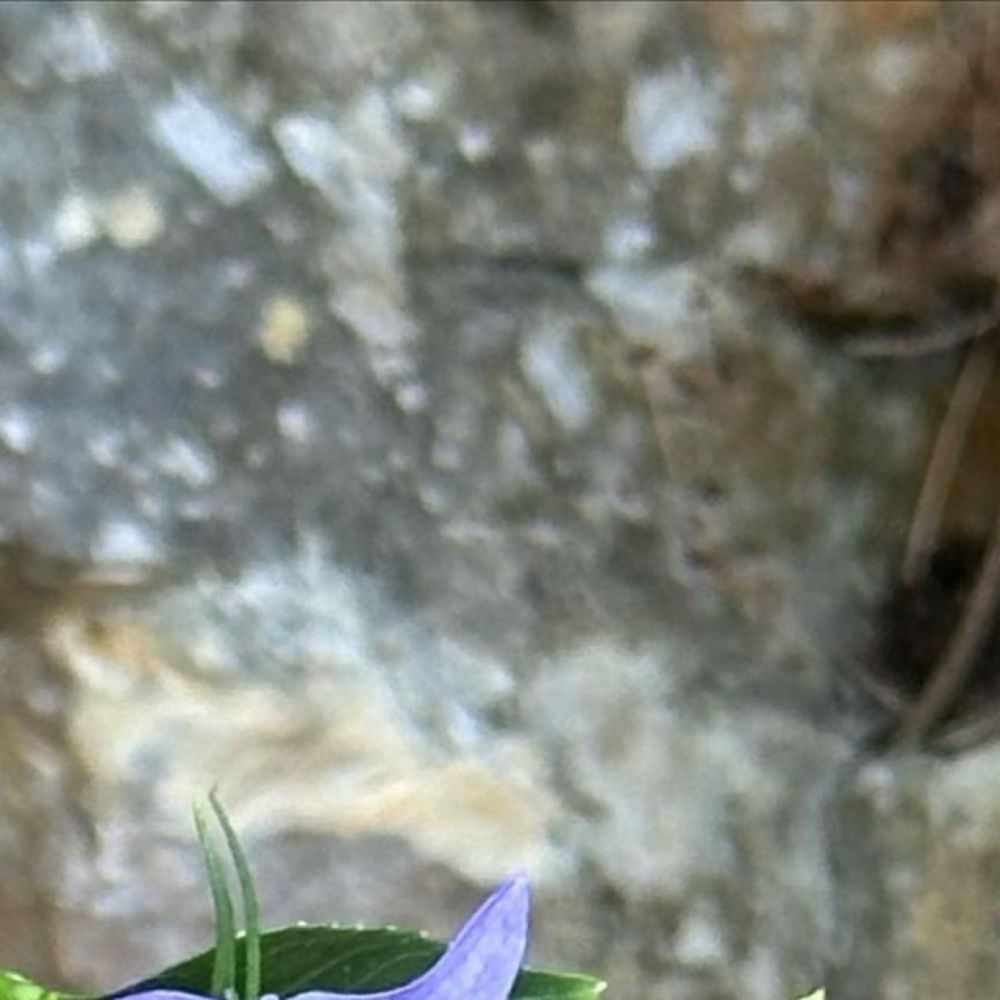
(284, 329)
(132, 218)
(333, 756)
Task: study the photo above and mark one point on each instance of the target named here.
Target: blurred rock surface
(413, 419)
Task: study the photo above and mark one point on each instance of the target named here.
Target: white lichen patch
(79, 48)
(106, 446)
(420, 98)
(18, 430)
(373, 311)
(475, 141)
(125, 541)
(553, 363)
(627, 238)
(699, 939)
(284, 329)
(314, 149)
(75, 224)
(211, 146)
(70, 49)
(354, 161)
(348, 160)
(295, 422)
(188, 461)
(656, 305)
(673, 116)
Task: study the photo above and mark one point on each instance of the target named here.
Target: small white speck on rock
(123, 541)
(552, 362)
(74, 225)
(412, 396)
(699, 941)
(188, 461)
(629, 238)
(475, 142)
(17, 430)
(295, 421)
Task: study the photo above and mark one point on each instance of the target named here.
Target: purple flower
(481, 963)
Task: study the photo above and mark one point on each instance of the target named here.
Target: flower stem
(224, 966)
(251, 910)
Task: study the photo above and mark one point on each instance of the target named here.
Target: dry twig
(944, 337)
(959, 657)
(972, 382)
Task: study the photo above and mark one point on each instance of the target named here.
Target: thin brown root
(972, 382)
(966, 733)
(938, 340)
(959, 656)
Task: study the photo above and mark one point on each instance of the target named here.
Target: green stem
(224, 966)
(251, 910)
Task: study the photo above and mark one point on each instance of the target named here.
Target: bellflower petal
(165, 995)
(480, 964)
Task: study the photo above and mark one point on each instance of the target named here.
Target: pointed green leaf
(251, 910)
(223, 977)
(353, 959)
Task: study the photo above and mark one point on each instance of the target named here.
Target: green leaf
(351, 960)
(223, 978)
(251, 909)
(14, 986)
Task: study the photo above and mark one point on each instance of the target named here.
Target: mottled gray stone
(412, 419)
